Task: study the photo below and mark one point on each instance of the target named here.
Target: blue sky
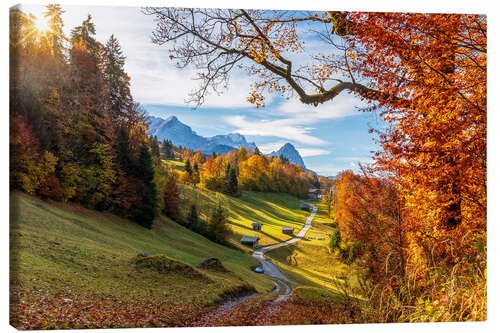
(331, 137)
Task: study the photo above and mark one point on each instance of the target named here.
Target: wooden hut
(314, 193)
(287, 230)
(305, 207)
(250, 241)
(257, 226)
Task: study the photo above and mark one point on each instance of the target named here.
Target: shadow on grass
(250, 229)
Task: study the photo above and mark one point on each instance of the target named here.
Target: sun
(41, 24)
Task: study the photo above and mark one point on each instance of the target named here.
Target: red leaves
(36, 310)
(293, 311)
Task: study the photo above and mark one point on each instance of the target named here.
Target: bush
(335, 239)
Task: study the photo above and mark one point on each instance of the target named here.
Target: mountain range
(181, 134)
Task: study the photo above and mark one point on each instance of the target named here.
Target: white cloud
(341, 106)
(272, 146)
(296, 120)
(282, 128)
(306, 152)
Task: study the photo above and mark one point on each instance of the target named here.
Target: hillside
(273, 210)
(310, 262)
(62, 252)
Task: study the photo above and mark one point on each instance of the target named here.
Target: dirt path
(225, 307)
(270, 270)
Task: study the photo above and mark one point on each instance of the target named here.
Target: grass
(176, 165)
(59, 247)
(309, 261)
(273, 210)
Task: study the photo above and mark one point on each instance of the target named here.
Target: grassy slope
(309, 262)
(57, 247)
(273, 210)
(176, 165)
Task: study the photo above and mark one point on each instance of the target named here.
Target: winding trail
(273, 271)
(270, 270)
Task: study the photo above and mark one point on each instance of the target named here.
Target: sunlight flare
(41, 24)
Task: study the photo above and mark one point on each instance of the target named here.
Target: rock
(212, 263)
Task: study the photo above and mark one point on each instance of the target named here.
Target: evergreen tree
(284, 160)
(117, 81)
(146, 207)
(188, 168)
(217, 229)
(155, 148)
(55, 36)
(123, 150)
(233, 182)
(85, 33)
(227, 172)
(167, 149)
(257, 151)
(192, 218)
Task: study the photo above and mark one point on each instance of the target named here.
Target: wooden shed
(257, 226)
(305, 207)
(250, 241)
(287, 230)
(314, 193)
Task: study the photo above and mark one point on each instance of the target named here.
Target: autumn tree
(425, 74)
(171, 197)
(369, 213)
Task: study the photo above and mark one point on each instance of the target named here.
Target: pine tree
(123, 150)
(192, 218)
(117, 81)
(166, 148)
(217, 229)
(155, 148)
(55, 36)
(188, 168)
(257, 151)
(233, 182)
(146, 207)
(86, 33)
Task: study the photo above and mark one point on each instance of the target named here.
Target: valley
(64, 253)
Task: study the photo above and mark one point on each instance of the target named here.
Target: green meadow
(59, 247)
(273, 210)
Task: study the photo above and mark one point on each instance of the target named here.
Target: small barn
(257, 226)
(305, 207)
(250, 241)
(314, 193)
(287, 230)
